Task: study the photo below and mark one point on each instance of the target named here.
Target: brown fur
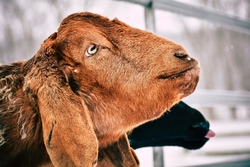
(118, 154)
(62, 104)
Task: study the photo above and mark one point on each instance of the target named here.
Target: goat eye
(92, 50)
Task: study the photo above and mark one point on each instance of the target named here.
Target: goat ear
(53, 36)
(68, 133)
(47, 46)
(118, 153)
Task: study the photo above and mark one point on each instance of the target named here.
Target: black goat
(183, 126)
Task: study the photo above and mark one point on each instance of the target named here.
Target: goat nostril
(182, 56)
(203, 124)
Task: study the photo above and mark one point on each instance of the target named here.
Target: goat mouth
(174, 76)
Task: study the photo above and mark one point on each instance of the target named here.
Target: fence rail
(196, 11)
(219, 97)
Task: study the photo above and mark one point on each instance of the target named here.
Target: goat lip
(173, 76)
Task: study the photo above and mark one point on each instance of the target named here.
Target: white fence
(218, 97)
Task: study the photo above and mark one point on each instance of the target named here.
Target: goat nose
(203, 124)
(182, 56)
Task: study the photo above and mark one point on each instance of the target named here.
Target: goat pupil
(93, 48)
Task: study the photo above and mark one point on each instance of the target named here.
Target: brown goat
(87, 86)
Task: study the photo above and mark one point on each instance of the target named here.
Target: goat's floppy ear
(118, 153)
(67, 128)
(68, 132)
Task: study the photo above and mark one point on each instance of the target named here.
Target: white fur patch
(23, 132)
(21, 124)
(2, 140)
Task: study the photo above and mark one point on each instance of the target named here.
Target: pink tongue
(210, 134)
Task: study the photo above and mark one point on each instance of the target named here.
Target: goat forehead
(103, 24)
(87, 19)
(101, 30)
(91, 35)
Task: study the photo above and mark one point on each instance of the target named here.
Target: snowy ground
(231, 143)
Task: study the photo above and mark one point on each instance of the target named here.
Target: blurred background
(221, 43)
